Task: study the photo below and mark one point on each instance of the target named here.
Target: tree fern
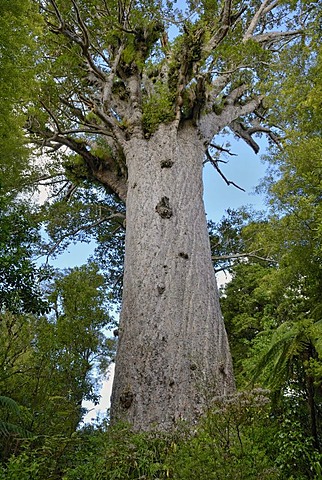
(9, 407)
(291, 340)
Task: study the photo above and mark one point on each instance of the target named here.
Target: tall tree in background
(139, 111)
(19, 276)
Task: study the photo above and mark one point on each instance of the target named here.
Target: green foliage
(296, 457)
(12, 426)
(47, 363)
(19, 25)
(10, 409)
(40, 458)
(19, 276)
(118, 453)
(89, 215)
(157, 108)
(234, 440)
(273, 307)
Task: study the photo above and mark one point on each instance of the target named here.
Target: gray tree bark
(173, 354)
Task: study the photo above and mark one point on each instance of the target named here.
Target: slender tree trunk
(311, 402)
(173, 353)
(312, 410)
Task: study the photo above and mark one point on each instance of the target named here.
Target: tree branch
(219, 36)
(239, 128)
(83, 41)
(86, 42)
(222, 149)
(102, 109)
(51, 114)
(274, 37)
(256, 18)
(235, 256)
(214, 163)
(100, 168)
(107, 88)
(83, 228)
(212, 123)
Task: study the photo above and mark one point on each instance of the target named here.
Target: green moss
(218, 108)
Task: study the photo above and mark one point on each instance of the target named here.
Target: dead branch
(214, 163)
(222, 149)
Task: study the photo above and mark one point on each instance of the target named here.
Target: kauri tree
(131, 97)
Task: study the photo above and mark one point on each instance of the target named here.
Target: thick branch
(212, 123)
(218, 37)
(134, 87)
(275, 37)
(102, 169)
(107, 88)
(244, 133)
(263, 9)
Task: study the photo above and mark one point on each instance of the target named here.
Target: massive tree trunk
(173, 354)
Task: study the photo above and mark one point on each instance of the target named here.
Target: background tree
(19, 284)
(18, 29)
(273, 308)
(20, 277)
(49, 363)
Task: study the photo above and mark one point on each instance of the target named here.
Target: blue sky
(246, 170)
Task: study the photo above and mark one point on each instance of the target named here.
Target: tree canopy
(132, 67)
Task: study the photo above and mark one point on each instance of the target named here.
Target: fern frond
(10, 405)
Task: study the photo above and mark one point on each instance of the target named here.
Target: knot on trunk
(161, 289)
(163, 208)
(166, 163)
(126, 399)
